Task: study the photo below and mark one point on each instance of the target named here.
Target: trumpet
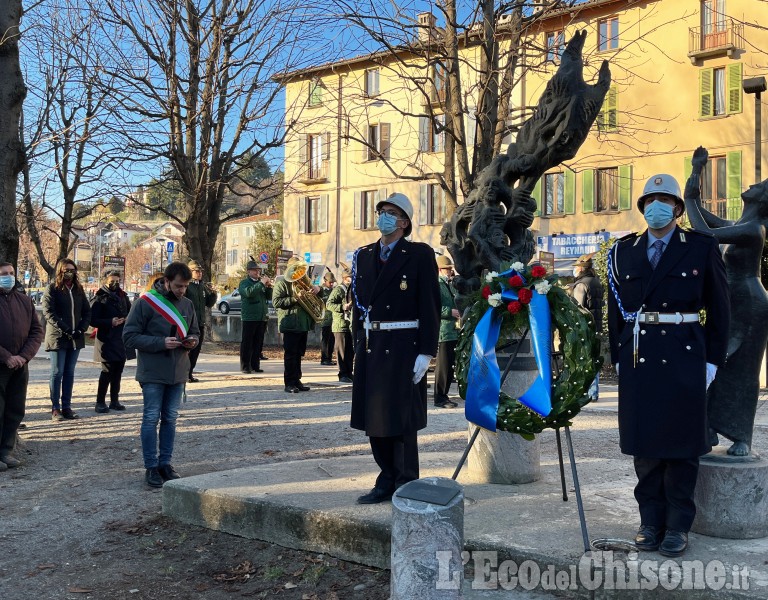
(302, 290)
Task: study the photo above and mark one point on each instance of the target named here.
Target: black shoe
(68, 414)
(56, 415)
(262, 357)
(246, 371)
(153, 478)
(22, 426)
(302, 387)
(258, 370)
(116, 406)
(446, 404)
(648, 537)
(292, 389)
(375, 496)
(193, 380)
(167, 472)
(345, 380)
(674, 544)
(101, 407)
(10, 461)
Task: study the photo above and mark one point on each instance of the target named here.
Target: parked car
(230, 302)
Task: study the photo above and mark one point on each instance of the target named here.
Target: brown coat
(20, 331)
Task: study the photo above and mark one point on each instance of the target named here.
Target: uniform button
(368, 351)
(642, 331)
(684, 274)
(664, 305)
(386, 351)
(663, 361)
(627, 277)
(642, 360)
(643, 305)
(663, 332)
(687, 347)
(387, 306)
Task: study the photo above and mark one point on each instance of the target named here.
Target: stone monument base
(503, 457)
(732, 496)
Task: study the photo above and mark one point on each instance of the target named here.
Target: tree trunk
(12, 92)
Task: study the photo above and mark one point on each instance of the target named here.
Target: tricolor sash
(167, 310)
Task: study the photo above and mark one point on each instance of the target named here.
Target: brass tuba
(296, 273)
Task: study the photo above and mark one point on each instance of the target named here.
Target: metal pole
(577, 489)
(562, 467)
(758, 138)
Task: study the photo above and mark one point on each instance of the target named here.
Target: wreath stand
(571, 457)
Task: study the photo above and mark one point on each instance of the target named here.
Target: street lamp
(756, 86)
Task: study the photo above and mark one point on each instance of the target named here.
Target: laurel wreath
(575, 364)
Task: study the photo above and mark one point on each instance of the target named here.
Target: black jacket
(105, 306)
(588, 292)
(65, 311)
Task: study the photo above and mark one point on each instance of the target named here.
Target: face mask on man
(386, 223)
(7, 282)
(658, 214)
(113, 286)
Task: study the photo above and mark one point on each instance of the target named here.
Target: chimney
(427, 27)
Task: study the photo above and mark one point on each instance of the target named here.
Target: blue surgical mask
(386, 223)
(658, 214)
(7, 282)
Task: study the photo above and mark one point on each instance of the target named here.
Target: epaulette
(629, 236)
(690, 230)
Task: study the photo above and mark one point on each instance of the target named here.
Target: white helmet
(402, 202)
(661, 184)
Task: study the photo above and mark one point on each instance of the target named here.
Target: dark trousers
(13, 395)
(664, 492)
(326, 344)
(294, 347)
(252, 344)
(345, 353)
(195, 352)
(398, 459)
(446, 358)
(110, 376)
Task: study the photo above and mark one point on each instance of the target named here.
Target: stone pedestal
(732, 496)
(503, 457)
(427, 541)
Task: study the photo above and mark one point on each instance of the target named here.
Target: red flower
(538, 271)
(516, 281)
(524, 295)
(514, 307)
(486, 291)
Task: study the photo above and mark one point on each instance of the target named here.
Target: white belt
(654, 318)
(388, 325)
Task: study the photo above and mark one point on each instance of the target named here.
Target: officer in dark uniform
(666, 358)
(395, 324)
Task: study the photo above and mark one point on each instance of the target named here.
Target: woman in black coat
(109, 308)
(67, 315)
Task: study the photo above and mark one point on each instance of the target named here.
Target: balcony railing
(703, 44)
(315, 173)
(724, 208)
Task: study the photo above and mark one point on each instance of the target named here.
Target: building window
(365, 208)
(608, 34)
(315, 93)
(439, 83)
(713, 24)
(555, 45)
(432, 133)
(231, 258)
(372, 83)
(315, 156)
(313, 214)
(606, 189)
(554, 194)
(720, 90)
(432, 209)
(378, 142)
(607, 118)
(714, 186)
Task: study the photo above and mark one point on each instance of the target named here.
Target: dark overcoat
(385, 401)
(65, 310)
(105, 306)
(662, 398)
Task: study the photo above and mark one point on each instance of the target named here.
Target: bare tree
(74, 156)
(12, 92)
(197, 78)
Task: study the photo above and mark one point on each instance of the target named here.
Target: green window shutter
(588, 191)
(625, 187)
(733, 77)
(569, 201)
(706, 95)
(733, 164)
(536, 195)
(687, 167)
(613, 108)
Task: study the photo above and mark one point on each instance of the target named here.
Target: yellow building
(678, 70)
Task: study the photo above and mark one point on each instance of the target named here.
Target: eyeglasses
(391, 213)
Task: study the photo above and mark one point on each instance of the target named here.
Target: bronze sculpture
(732, 397)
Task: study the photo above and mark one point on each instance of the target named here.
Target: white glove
(711, 372)
(420, 367)
(616, 366)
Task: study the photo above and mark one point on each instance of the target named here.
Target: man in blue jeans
(162, 327)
